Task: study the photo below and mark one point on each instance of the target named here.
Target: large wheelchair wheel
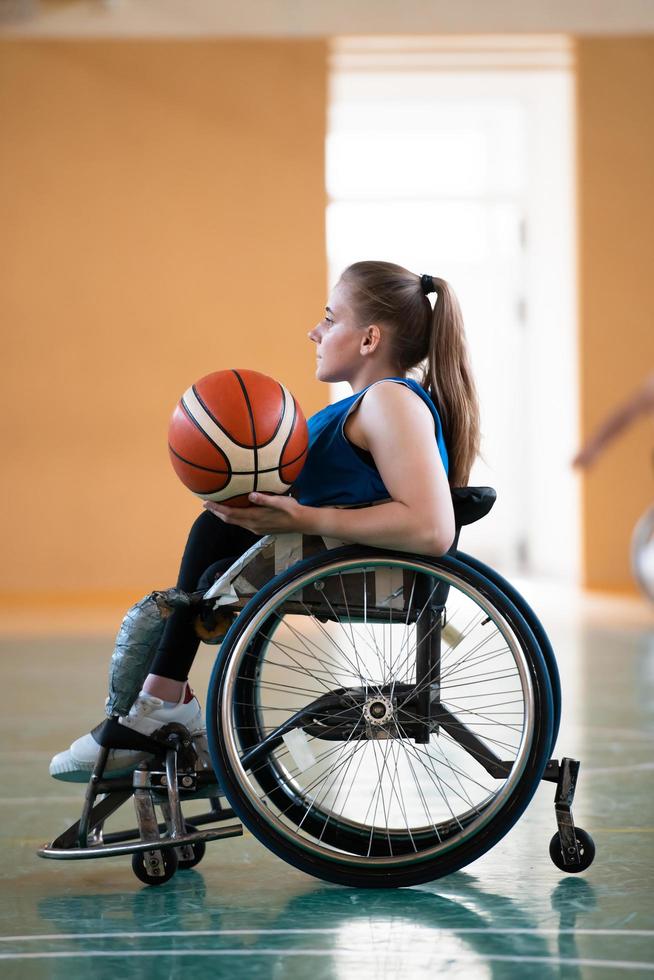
(536, 628)
(379, 719)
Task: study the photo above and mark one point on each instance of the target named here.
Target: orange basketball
(234, 432)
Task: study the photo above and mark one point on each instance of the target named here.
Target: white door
(444, 172)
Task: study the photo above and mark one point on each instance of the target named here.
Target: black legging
(210, 549)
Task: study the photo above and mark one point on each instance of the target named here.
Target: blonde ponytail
(385, 293)
(448, 378)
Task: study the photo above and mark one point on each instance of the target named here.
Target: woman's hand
(271, 514)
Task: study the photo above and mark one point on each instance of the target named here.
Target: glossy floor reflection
(242, 912)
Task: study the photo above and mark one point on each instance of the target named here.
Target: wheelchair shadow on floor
(182, 922)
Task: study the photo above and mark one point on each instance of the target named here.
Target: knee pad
(136, 645)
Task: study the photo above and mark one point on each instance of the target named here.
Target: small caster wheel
(586, 852)
(197, 850)
(166, 863)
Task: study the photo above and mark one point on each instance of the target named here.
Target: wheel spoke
(358, 779)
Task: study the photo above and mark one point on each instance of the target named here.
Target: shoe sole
(78, 775)
(84, 775)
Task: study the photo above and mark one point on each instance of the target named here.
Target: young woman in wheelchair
(396, 444)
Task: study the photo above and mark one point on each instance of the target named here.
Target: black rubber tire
(199, 850)
(429, 869)
(586, 846)
(535, 626)
(170, 864)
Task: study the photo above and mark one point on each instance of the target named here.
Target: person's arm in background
(641, 402)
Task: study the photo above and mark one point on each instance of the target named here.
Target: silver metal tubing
(108, 805)
(91, 793)
(95, 836)
(145, 815)
(115, 850)
(174, 815)
(184, 851)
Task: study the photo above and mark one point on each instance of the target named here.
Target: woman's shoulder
(387, 406)
(392, 393)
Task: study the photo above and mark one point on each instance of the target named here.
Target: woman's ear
(370, 339)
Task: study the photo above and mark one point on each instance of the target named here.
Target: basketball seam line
(210, 469)
(205, 493)
(252, 426)
(288, 438)
(206, 435)
(282, 413)
(242, 445)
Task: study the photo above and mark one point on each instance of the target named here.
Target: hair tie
(427, 285)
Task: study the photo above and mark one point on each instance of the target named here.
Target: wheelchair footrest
(167, 789)
(134, 844)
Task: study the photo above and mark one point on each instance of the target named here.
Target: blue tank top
(336, 472)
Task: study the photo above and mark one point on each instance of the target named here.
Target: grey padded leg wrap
(136, 645)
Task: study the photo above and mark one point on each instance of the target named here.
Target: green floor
(244, 913)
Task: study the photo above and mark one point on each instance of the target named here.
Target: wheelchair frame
(180, 770)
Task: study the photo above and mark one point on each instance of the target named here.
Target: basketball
(234, 432)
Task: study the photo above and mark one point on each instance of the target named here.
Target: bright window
(464, 170)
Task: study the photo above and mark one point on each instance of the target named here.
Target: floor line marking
(354, 953)
(327, 931)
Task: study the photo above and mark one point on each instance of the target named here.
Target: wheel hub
(378, 710)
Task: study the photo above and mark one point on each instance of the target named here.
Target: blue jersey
(336, 471)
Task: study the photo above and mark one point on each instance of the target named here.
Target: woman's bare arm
(637, 404)
(397, 428)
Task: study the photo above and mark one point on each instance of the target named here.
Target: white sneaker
(147, 715)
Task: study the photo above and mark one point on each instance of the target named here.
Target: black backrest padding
(471, 504)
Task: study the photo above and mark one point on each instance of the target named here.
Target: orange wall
(616, 218)
(162, 212)
(162, 208)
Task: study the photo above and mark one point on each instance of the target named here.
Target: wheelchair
(375, 718)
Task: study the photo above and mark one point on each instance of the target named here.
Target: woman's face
(337, 339)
